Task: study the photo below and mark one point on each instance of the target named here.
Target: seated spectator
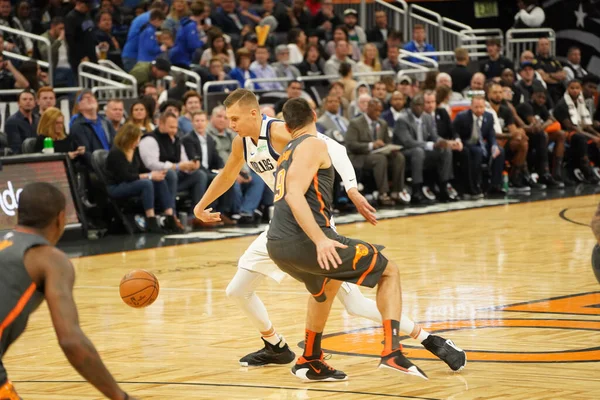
(263, 70)
(125, 180)
(477, 85)
(107, 45)
(179, 10)
(332, 66)
(229, 19)
(379, 33)
(312, 66)
(268, 111)
(33, 73)
(294, 90)
(149, 47)
(572, 66)
(369, 63)
(215, 73)
(340, 33)
(10, 77)
(187, 40)
(330, 123)
(89, 129)
(251, 15)
(380, 92)
(550, 69)
(434, 106)
(530, 15)
(325, 20)
(242, 72)
(296, 45)
(442, 95)
(528, 57)
(46, 98)
(22, 44)
(192, 102)
(299, 15)
(419, 44)
(444, 79)
(356, 34)
(114, 112)
(337, 89)
(149, 89)
(218, 48)
(162, 150)
(507, 80)
(360, 103)
(536, 115)
(250, 43)
(218, 129)
(575, 119)
(496, 63)
(52, 125)
(397, 103)
(415, 131)
(460, 74)
(392, 62)
(590, 93)
(347, 79)
(525, 84)
(366, 134)
(138, 116)
(145, 72)
(283, 67)
(63, 75)
(22, 124)
(475, 128)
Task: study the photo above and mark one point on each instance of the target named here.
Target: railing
(208, 85)
(107, 82)
(519, 40)
(474, 40)
(432, 22)
(110, 64)
(192, 78)
(419, 56)
(397, 12)
(451, 37)
(25, 58)
(249, 83)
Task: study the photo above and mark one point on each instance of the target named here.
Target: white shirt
(395, 114)
(63, 57)
(150, 155)
(204, 147)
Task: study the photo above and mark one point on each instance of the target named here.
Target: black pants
(578, 149)
(472, 155)
(537, 157)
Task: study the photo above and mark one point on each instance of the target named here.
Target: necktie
(339, 124)
(419, 130)
(480, 138)
(374, 130)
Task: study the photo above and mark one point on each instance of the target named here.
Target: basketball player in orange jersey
(261, 139)
(32, 269)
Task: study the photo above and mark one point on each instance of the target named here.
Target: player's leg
(311, 366)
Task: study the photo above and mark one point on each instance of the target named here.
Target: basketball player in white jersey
(259, 142)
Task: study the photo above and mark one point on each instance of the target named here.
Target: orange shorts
(553, 128)
(8, 392)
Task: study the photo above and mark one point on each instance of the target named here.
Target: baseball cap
(162, 64)
(405, 79)
(251, 37)
(83, 93)
(526, 64)
(350, 11)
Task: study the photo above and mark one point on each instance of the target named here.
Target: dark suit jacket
(444, 124)
(463, 126)
(374, 35)
(193, 149)
(405, 131)
(388, 117)
(358, 137)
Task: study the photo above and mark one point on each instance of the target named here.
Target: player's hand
(362, 206)
(327, 254)
(207, 215)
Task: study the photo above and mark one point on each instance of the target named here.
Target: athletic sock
(391, 341)
(312, 345)
(413, 329)
(271, 336)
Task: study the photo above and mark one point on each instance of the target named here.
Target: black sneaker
(317, 371)
(550, 182)
(446, 351)
(532, 183)
(398, 362)
(270, 354)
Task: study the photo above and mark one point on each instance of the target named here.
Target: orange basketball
(139, 288)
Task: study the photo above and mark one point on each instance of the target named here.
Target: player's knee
(234, 291)
(391, 270)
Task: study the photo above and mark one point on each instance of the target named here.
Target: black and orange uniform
(293, 251)
(19, 295)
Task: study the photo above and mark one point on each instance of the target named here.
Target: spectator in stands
(337, 89)
(539, 118)
(192, 103)
(434, 106)
(369, 63)
(229, 19)
(23, 15)
(125, 180)
(251, 14)
(46, 98)
(268, 111)
(171, 106)
(460, 74)
(355, 32)
(149, 47)
(444, 79)
(89, 129)
(340, 33)
(572, 66)
(496, 62)
(326, 20)
(149, 89)
(145, 72)
(188, 39)
(575, 119)
(330, 123)
(218, 129)
(216, 73)
(33, 73)
(114, 111)
(139, 116)
(507, 79)
(550, 69)
(477, 85)
(22, 124)
(312, 66)
(530, 15)
(52, 125)
(162, 150)
(283, 67)
(107, 45)
(179, 10)
(332, 66)
(415, 131)
(218, 48)
(379, 33)
(294, 90)
(392, 62)
(360, 104)
(299, 15)
(366, 134)
(263, 70)
(130, 50)
(380, 92)
(475, 128)
(297, 42)
(419, 44)
(590, 92)
(10, 77)
(525, 84)
(79, 32)
(20, 43)
(397, 103)
(347, 79)
(63, 75)
(250, 43)
(242, 72)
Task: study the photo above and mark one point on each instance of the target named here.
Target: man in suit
(397, 103)
(415, 131)
(332, 124)
(379, 33)
(476, 130)
(365, 135)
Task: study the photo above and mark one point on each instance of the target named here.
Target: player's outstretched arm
(59, 278)
(304, 166)
(222, 182)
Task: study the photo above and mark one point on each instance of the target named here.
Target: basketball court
(510, 284)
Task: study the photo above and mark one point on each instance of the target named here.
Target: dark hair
(345, 69)
(23, 92)
(146, 86)
(394, 34)
(101, 13)
(39, 204)
(29, 70)
(572, 49)
(442, 93)
(293, 35)
(170, 103)
(165, 116)
(493, 42)
(189, 94)
(197, 8)
(150, 104)
(157, 14)
(57, 21)
(343, 28)
(297, 113)
(294, 81)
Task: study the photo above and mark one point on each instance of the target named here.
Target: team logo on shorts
(360, 251)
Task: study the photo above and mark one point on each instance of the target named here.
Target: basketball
(139, 288)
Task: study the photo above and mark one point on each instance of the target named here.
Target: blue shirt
(186, 43)
(130, 50)
(414, 48)
(148, 47)
(99, 131)
(185, 125)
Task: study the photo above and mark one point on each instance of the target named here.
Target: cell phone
(196, 158)
(244, 174)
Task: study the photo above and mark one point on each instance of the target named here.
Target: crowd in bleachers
(412, 138)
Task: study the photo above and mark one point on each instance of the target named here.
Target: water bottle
(48, 146)
(505, 181)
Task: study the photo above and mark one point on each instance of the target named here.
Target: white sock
(272, 337)
(413, 329)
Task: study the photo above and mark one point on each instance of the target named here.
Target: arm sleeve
(150, 155)
(120, 169)
(341, 162)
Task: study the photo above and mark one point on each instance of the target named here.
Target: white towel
(579, 113)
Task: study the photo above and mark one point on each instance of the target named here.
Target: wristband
(150, 175)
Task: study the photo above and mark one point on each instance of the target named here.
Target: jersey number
(280, 185)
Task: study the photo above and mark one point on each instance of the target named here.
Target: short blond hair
(243, 96)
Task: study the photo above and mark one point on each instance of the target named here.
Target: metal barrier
(474, 40)
(451, 37)
(519, 40)
(207, 86)
(397, 11)
(108, 82)
(249, 83)
(192, 78)
(419, 56)
(25, 58)
(110, 64)
(432, 22)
